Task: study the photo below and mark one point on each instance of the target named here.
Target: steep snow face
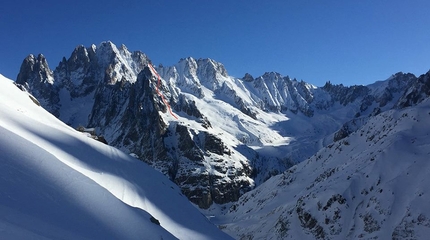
(58, 183)
(371, 184)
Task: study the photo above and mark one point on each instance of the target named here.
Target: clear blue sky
(350, 42)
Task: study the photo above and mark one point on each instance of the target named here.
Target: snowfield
(57, 183)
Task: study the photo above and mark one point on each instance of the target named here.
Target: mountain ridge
(371, 184)
(232, 134)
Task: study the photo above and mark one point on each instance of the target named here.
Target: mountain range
(236, 146)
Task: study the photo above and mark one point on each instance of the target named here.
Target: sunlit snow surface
(372, 184)
(56, 183)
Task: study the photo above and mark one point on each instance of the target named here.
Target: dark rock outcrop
(36, 76)
(416, 93)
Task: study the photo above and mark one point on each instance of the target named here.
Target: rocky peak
(80, 54)
(107, 54)
(35, 70)
(79, 58)
(127, 114)
(184, 76)
(278, 93)
(123, 48)
(248, 78)
(119, 64)
(400, 81)
(304, 90)
(417, 91)
(139, 60)
(36, 76)
(211, 67)
(194, 73)
(188, 66)
(345, 95)
(393, 86)
(136, 60)
(271, 76)
(78, 74)
(108, 46)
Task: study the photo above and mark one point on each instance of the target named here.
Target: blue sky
(349, 42)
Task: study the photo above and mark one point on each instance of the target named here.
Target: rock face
(114, 91)
(416, 92)
(139, 127)
(38, 79)
(226, 136)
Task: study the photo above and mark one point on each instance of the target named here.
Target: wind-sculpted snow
(57, 183)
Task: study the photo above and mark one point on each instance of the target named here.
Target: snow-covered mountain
(371, 184)
(225, 136)
(350, 161)
(58, 183)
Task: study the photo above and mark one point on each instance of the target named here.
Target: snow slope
(371, 184)
(59, 183)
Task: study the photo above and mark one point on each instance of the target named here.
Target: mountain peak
(248, 77)
(123, 47)
(36, 76)
(35, 69)
(417, 91)
(79, 54)
(108, 44)
(216, 66)
(106, 53)
(272, 76)
(41, 57)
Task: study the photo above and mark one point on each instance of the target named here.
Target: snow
(75, 110)
(57, 183)
(380, 173)
(268, 124)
